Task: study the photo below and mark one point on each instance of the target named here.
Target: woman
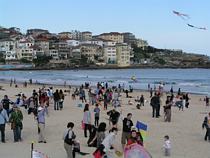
(87, 120)
(16, 123)
(167, 109)
(99, 136)
(135, 137)
(68, 138)
(61, 96)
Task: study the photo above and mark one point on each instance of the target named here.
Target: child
(167, 146)
(97, 113)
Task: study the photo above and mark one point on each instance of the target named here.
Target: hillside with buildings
(45, 50)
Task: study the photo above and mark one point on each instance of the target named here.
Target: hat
(133, 128)
(40, 108)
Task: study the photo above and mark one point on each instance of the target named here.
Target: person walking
(3, 120)
(206, 124)
(16, 119)
(87, 120)
(68, 138)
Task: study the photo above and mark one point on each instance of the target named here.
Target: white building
(25, 50)
(8, 48)
(110, 55)
(54, 54)
(93, 41)
(10, 55)
(73, 43)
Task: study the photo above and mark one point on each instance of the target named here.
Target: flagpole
(32, 148)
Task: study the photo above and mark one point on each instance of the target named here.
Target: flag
(142, 128)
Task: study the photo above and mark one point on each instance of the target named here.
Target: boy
(167, 146)
(97, 113)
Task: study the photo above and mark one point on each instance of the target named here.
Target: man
(41, 123)
(56, 100)
(3, 120)
(6, 103)
(113, 117)
(127, 124)
(155, 103)
(16, 123)
(206, 124)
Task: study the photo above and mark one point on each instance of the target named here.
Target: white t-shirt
(108, 141)
(167, 144)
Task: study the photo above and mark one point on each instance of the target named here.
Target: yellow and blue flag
(142, 127)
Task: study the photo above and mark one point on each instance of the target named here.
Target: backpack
(68, 140)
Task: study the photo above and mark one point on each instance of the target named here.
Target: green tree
(42, 60)
(23, 60)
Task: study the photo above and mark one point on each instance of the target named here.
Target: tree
(23, 60)
(42, 60)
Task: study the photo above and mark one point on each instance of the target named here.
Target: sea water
(189, 80)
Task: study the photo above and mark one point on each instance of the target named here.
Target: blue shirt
(3, 117)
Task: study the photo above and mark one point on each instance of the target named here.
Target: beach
(185, 130)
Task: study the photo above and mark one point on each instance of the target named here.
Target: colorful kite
(136, 151)
(186, 17)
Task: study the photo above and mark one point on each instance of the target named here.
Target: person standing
(56, 98)
(206, 124)
(167, 146)
(41, 123)
(151, 92)
(155, 103)
(16, 119)
(127, 124)
(68, 138)
(3, 120)
(167, 109)
(87, 120)
(6, 103)
(97, 115)
(142, 100)
(61, 99)
(207, 101)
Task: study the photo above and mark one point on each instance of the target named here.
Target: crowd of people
(101, 135)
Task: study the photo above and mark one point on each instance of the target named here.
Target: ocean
(189, 80)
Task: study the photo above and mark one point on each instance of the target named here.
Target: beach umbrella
(136, 151)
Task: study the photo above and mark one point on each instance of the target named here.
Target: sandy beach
(185, 130)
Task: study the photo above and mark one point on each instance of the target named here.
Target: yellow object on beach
(118, 153)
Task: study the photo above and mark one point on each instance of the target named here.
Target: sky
(151, 20)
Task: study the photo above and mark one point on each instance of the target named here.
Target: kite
(182, 15)
(136, 151)
(186, 17)
(201, 28)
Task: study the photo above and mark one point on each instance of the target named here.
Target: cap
(133, 128)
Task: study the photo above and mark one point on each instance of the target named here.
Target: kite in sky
(201, 28)
(186, 17)
(181, 15)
